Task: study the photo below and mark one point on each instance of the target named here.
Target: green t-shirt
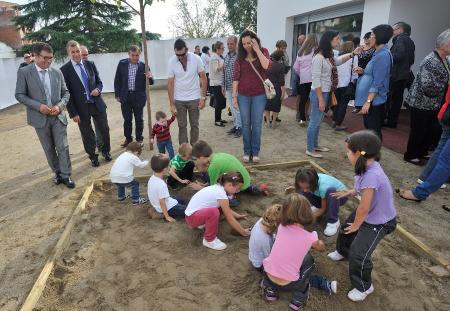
(177, 163)
(223, 163)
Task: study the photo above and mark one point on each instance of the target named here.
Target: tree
(100, 25)
(197, 21)
(241, 14)
(151, 35)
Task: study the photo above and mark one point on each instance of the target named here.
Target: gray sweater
(321, 72)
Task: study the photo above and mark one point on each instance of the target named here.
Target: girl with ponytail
(374, 218)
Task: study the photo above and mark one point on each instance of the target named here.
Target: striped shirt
(228, 70)
(162, 132)
(132, 70)
(178, 163)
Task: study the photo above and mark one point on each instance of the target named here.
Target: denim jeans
(237, 122)
(445, 137)
(252, 110)
(165, 144)
(178, 210)
(316, 117)
(333, 204)
(438, 175)
(134, 185)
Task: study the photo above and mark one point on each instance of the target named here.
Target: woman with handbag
(216, 81)
(250, 89)
(324, 83)
(276, 75)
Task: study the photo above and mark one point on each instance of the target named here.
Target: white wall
(376, 12)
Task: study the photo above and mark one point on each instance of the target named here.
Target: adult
(363, 59)
(84, 52)
(276, 75)
(425, 97)
(281, 46)
(42, 89)
(130, 91)
(372, 88)
(27, 59)
(183, 87)
(345, 76)
(248, 91)
(228, 72)
(197, 50)
(324, 81)
(205, 59)
(402, 51)
(294, 76)
(216, 81)
(303, 68)
(86, 103)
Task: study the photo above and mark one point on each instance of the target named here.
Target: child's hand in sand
(170, 219)
(240, 216)
(246, 232)
(185, 181)
(195, 185)
(289, 190)
(343, 194)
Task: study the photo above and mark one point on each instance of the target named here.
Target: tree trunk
(147, 87)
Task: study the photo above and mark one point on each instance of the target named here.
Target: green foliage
(151, 35)
(241, 14)
(101, 26)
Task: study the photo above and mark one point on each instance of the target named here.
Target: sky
(157, 16)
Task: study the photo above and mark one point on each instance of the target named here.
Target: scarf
(334, 75)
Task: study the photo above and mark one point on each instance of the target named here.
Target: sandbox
(113, 257)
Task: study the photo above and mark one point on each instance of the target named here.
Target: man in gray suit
(42, 89)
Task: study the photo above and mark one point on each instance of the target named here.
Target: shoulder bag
(268, 85)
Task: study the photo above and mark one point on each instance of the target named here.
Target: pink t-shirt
(292, 243)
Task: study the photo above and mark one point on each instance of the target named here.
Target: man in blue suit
(129, 88)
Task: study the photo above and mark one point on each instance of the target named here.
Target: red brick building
(10, 34)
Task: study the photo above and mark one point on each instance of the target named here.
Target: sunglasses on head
(181, 55)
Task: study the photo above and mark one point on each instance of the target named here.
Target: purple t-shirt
(382, 208)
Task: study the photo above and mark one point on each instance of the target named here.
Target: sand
(122, 260)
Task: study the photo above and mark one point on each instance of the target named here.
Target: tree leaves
(241, 14)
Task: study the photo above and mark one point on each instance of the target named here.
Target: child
(203, 209)
(162, 131)
(122, 173)
(158, 193)
(181, 169)
(318, 189)
(289, 265)
(261, 241)
(372, 220)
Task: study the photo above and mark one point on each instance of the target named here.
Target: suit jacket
(121, 82)
(77, 105)
(30, 92)
(402, 51)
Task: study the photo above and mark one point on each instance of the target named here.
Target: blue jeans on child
(134, 185)
(445, 136)
(165, 144)
(237, 122)
(252, 110)
(333, 204)
(178, 210)
(315, 118)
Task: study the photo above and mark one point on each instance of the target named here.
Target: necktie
(46, 88)
(85, 81)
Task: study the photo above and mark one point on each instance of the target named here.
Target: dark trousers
(98, 137)
(341, 108)
(333, 204)
(395, 102)
(166, 144)
(218, 102)
(132, 108)
(87, 133)
(422, 127)
(303, 91)
(358, 248)
(186, 173)
(178, 210)
(374, 119)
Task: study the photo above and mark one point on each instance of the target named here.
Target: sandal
(401, 193)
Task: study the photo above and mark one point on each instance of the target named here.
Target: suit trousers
(185, 108)
(53, 138)
(87, 133)
(129, 108)
(394, 105)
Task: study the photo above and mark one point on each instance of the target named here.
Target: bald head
(301, 39)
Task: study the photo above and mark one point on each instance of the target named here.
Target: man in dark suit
(42, 89)
(85, 86)
(27, 59)
(129, 88)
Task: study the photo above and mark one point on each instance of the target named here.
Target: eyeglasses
(46, 58)
(181, 55)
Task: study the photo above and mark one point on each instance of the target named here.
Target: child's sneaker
(295, 304)
(270, 294)
(140, 201)
(356, 295)
(331, 229)
(332, 287)
(127, 196)
(215, 244)
(335, 256)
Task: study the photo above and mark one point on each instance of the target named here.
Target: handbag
(268, 85)
(351, 87)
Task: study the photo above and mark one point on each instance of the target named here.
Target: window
(345, 25)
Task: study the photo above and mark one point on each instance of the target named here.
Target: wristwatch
(369, 101)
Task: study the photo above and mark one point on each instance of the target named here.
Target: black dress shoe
(107, 156)
(68, 182)
(219, 124)
(223, 121)
(278, 120)
(94, 161)
(57, 179)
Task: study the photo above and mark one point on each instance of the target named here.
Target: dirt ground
(107, 266)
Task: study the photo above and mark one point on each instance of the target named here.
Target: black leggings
(219, 102)
(303, 91)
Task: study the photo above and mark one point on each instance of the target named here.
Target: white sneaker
(322, 149)
(255, 159)
(335, 256)
(331, 229)
(314, 209)
(246, 159)
(215, 244)
(333, 286)
(201, 227)
(313, 154)
(356, 295)
(420, 181)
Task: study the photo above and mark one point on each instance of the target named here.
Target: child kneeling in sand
(181, 167)
(158, 193)
(205, 207)
(122, 173)
(289, 265)
(261, 242)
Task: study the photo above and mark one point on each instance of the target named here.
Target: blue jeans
(445, 136)
(165, 144)
(438, 175)
(134, 185)
(316, 117)
(333, 204)
(237, 121)
(252, 110)
(178, 210)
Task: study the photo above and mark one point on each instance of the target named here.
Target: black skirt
(274, 104)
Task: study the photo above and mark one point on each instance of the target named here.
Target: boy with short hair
(158, 193)
(161, 129)
(181, 168)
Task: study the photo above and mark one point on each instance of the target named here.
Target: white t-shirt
(206, 198)
(157, 190)
(205, 60)
(123, 168)
(259, 245)
(187, 83)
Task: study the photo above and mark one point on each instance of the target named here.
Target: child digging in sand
(181, 168)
